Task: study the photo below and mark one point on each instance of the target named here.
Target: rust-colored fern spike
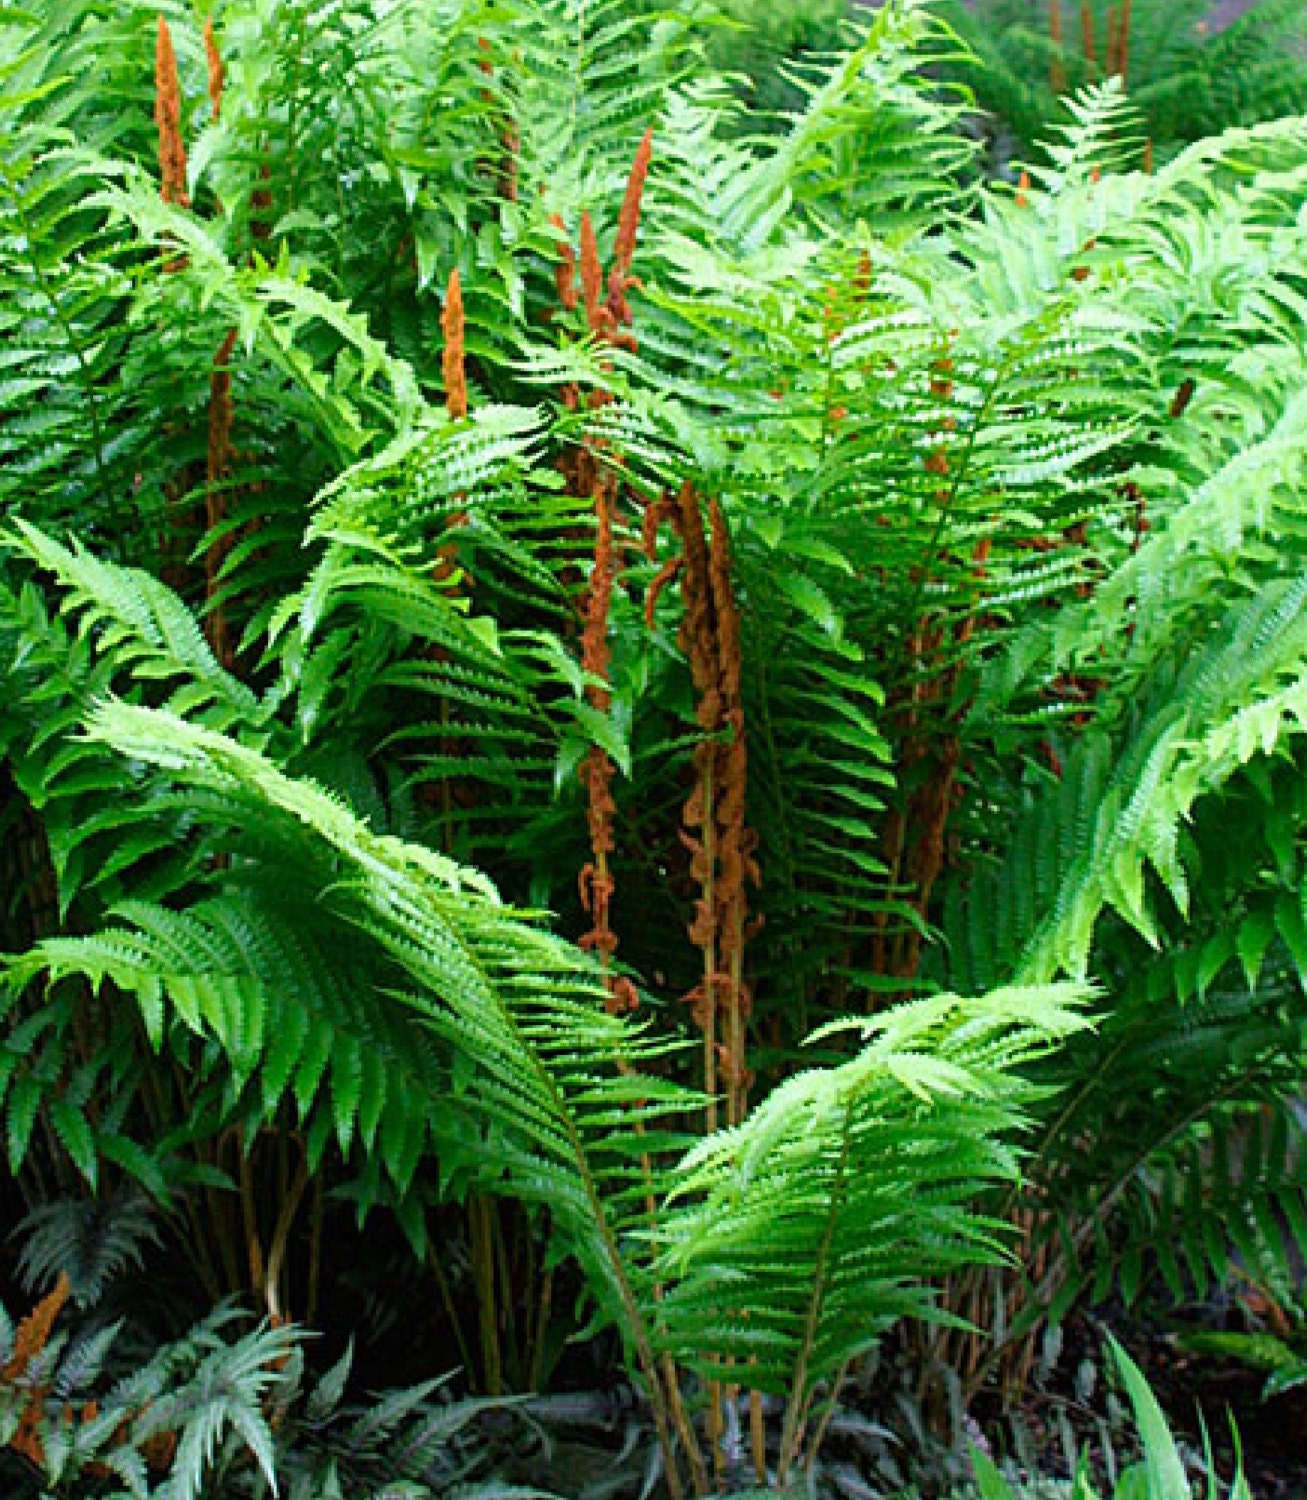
(628, 227)
(595, 654)
(34, 1331)
(1056, 72)
(1023, 190)
(665, 575)
(565, 271)
(1123, 42)
(168, 117)
(734, 840)
(592, 276)
(217, 73)
(1087, 31)
(628, 222)
(714, 827)
(597, 885)
(589, 475)
(453, 362)
(699, 816)
(217, 468)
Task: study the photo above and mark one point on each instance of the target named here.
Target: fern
(1001, 494)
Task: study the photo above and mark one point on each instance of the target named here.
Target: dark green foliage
(105, 1407)
(1187, 78)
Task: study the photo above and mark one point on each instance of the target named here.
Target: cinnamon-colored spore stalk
(217, 73)
(453, 359)
(168, 117)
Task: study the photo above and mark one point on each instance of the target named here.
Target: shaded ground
(1273, 1434)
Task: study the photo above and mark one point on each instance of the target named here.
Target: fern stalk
(798, 1406)
(168, 115)
(1087, 32)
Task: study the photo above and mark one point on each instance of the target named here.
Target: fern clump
(566, 650)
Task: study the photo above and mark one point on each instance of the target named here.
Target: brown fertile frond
(596, 881)
(669, 571)
(217, 73)
(168, 117)
(453, 358)
(35, 1329)
(592, 276)
(1056, 72)
(1087, 31)
(220, 410)
(595, 655)
(735, 840)
(1123, 42)
(565, 272)
(655, 514)
(628, 222)
(714, 829)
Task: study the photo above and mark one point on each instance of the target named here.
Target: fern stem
(758, 1436)
(317, 1221)
(480, 1226)
(451, 1311)
(278, 1305)
(642, 1347)
(799, 1404)
(540, 1330)
(829, 1408)
(249, 1215)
